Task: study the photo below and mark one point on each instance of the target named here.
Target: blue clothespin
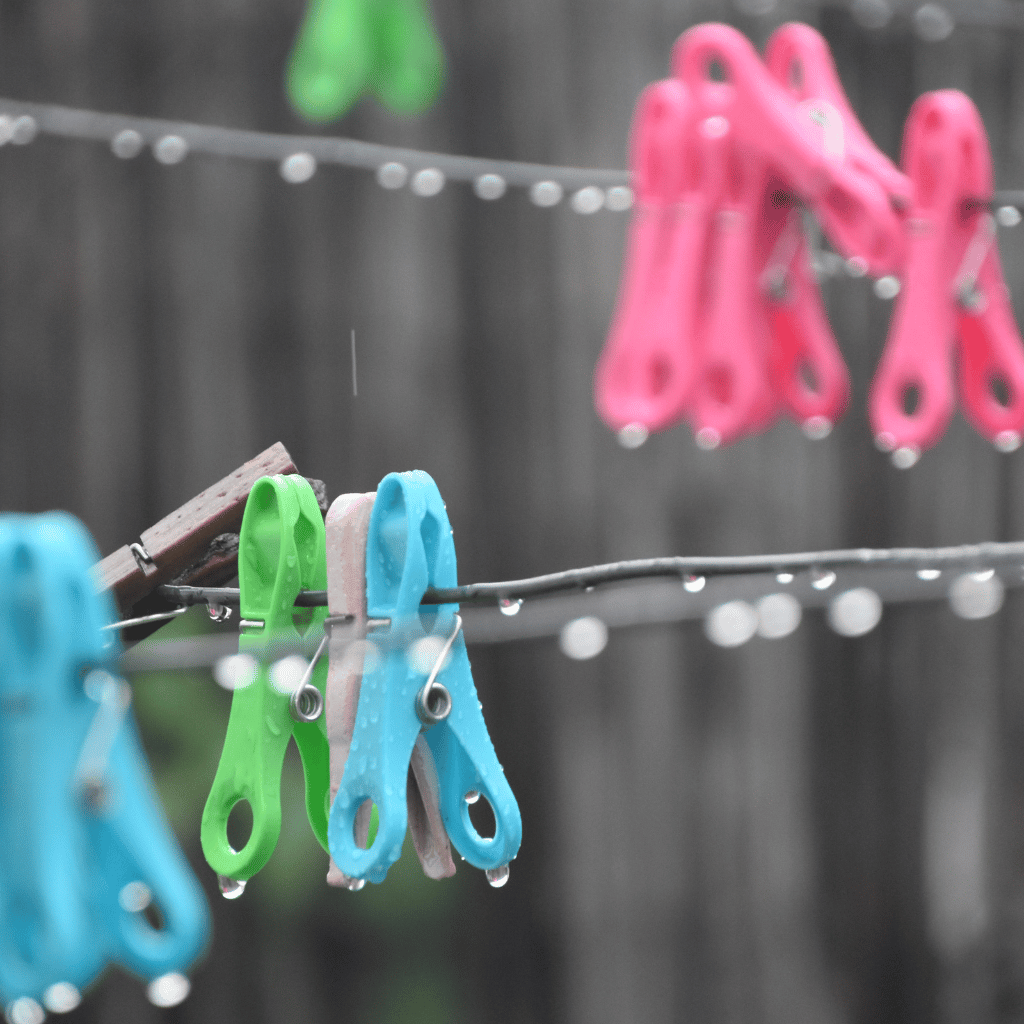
(83, 843)
(422, 682)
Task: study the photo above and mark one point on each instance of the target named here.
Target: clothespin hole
(796, 74)
(911, 399)
(481, 817)
(1000, 388)
(808, 378)
(239, 826)
(716, 70)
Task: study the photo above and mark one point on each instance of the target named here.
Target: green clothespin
(348, 46)
(282, 550)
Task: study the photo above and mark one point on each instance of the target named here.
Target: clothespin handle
(281, 551)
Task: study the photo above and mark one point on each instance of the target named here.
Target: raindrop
(583, 638)
(855, 612)
(778, 615)
(472, 796)
(933, 23)
(24, 130)
(1007, 441)
(1008, 216)
(168, 989)
(714, 127)
(235, 671)
(497, 877)
(871, 13)
(423, 654)
(885, 442)
(693, 584)
(127, 144)
(887, 287)
(298, 167)
(822, 579)
(392, 175)
(490, 186)
(731, 624)
(25, 1011)
(708, 439)
(588, 200)
(61, 997)
(857, 266)
(352, 884)
(230, 888)
(218, 612)
(171, 149)
(546, 193)
(817, 428)
(976, 595)
(929, 574)
(135, 897)
(427, 182)
(287, 673)
(618, 198)
(510, 605)
(905, 457)
(632, 435)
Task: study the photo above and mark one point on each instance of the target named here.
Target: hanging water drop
(822, 579)
(497, 877)
(230, 888)
(929, 574)
(472, 796)
(510, 605)
(693, 584)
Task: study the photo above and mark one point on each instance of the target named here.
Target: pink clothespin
(852, 207)
(805, 366)
(952, 285)
(799, 59)
(348, 522)
(645, 373)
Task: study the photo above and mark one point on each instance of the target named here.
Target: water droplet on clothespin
(887, 287)
(168, 989)
(298, 167)
(583, 638)
(127, 144)
(855, 612)
(693, 584)
(472, 796)
(61, 997)
(1008, 216)
(928, 574)
(497, 877)
(135, 897)
(632, 435)
(905, 457)
(708, 439)
(1007, 441)
(352, 884)
(230, 888)
(25, 1011)
(778, 615)
(822, 579)
(816, 428)
(546, 193)
(510, 605)
(976, 595)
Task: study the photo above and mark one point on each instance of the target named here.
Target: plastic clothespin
(281, 552)
(84, 846)
(852, 207)
(348, 523)
(646, 371)
(800, 60)
(806, 368)
(422, 682)
(347, 46)
(951, 285)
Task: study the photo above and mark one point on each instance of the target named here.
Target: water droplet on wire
(1008, 216)
(1007, 441)
(928, 574)
(135, 897)
(693, 584)
(816, 428)
(427, 182)
(976, 595)
(298, 167)
(497, 877)
(127, 144)
(392, 175)
(490, 186)
(618, 198)
(588, 200)
(171, 149)
(783, 577)
(855, 612)
(887, 287)
(905, 457)
(933, 23)
(546, 193)
(822, 579)
(778, 615)
(510, 605)
(24, 130)
(25, 1011)
(731, 624)
(583, 638)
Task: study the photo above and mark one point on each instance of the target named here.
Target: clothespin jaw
(281, 551)
(946, 155)
(80, 819)
(346, 46)
(646, 371)
(410, 547)
(852, 207)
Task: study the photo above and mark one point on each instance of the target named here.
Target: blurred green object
(346, 47)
